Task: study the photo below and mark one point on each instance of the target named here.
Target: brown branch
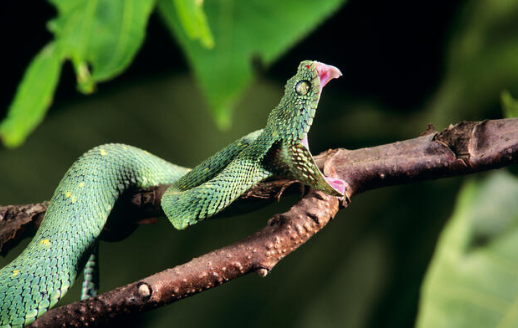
(468, 147)
(18, 222)
(256, 253)
(135, 207)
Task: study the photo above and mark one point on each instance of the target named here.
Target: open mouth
(325, 73)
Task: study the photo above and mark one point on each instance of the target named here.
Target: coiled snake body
(67, 237)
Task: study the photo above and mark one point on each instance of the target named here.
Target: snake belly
(78, 210)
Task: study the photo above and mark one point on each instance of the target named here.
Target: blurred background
(405, 64)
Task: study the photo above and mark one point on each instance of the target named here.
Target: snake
(66, 241)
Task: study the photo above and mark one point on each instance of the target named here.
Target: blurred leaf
(33, 97)
(98, 35)
(101, 37)
(473, 278)
(243, 30)
(482, 60)
(101, 34)
(194, 21)
(509, 105)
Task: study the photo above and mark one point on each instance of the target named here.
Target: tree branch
(465, 148)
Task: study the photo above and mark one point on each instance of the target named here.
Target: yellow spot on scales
(206, 169)
(103, 152)
(45, 242)
(15, 272)
(81, 185)
(69, 194)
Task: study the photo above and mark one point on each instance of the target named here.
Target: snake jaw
(326, 73)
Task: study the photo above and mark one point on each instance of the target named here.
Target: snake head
(289, 124)
(293, 117)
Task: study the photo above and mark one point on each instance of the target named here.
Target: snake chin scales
(67, 239)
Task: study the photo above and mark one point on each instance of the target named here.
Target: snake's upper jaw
(326, 73)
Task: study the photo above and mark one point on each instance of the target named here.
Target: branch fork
(465, 148)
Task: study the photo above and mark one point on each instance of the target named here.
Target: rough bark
(465, 148)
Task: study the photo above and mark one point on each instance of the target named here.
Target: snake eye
(302, 87)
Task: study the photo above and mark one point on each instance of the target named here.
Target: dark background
(399, 46)
(366, 268)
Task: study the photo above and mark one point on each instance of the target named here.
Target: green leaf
(194, 22)
(101, 37)
(33, 97)
(473, 278)
(509, 105)
(243, 31)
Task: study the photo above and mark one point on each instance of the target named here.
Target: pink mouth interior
(337, 184)
(304, 141)
(326, 73)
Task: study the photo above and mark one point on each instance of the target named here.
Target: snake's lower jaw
(338, 185)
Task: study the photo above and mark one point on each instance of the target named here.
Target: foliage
(380, 246)
(472, 281)
(101, 38)
(509, 105)
(472, 278)
(242, 34)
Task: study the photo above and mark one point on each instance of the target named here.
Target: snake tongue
(326, 73)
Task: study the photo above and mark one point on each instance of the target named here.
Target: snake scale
(79, 208)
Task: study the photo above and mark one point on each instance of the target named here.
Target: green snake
(66, 241)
